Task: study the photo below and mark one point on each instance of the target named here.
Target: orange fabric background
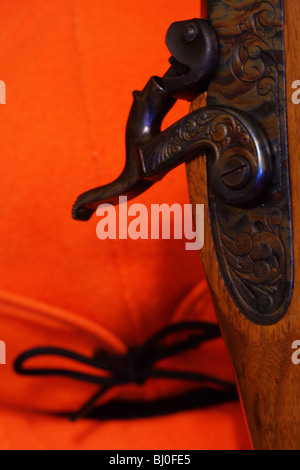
(70, 67)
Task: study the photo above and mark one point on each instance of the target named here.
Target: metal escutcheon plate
(254, 245)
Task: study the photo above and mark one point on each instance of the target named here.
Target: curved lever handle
(193, 45)
(241, 167)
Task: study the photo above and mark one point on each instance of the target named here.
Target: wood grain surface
(268, 381)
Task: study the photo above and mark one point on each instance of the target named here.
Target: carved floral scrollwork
(256, 261)
(253, 59)
(206, 127)
(254, 244)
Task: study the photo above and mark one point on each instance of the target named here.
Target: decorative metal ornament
(238, 56)
(254, 246)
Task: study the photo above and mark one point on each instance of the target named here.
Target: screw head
(236, 172)
(190, 33)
